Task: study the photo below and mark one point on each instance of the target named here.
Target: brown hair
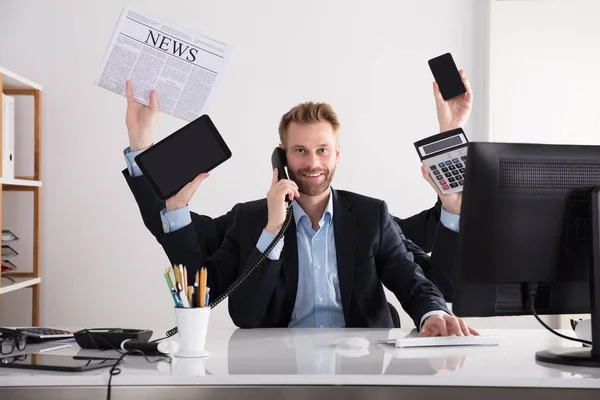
(308, 113)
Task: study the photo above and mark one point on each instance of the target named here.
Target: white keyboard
(441, 341)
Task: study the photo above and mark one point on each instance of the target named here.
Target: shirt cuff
(429, 314)
(265, 240)
(450, 220)
(132, 166)
(176, 219)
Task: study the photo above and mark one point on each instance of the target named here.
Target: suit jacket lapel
(344, 228)
(290, 268)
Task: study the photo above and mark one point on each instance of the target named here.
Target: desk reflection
(569, 371)
(306, 351)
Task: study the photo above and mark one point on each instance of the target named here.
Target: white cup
(192, 327)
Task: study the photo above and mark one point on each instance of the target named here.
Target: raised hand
(140, 119)
(451, 202)
(280, 189)
(183, 197)
(453, 113)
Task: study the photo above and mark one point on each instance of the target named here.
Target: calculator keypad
(449, 172)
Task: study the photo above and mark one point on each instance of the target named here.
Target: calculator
(445, 156)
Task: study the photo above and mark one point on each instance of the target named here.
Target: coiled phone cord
(261, 258)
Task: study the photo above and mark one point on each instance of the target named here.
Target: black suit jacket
(424, 231)
(369, 252)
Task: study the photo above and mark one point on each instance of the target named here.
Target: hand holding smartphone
(446, 75)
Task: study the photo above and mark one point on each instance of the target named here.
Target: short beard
(308, 189)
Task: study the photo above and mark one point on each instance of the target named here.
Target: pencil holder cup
(192, 327)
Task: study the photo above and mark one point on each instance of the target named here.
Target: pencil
(185, 280)
(202, 286)
(179, 279)
(197, 290)
(173, 292)
(205, 284)
(173, 279)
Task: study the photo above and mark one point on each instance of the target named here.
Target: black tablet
(55, 362)
(176, 160)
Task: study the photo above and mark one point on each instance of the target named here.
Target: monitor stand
(589, 356)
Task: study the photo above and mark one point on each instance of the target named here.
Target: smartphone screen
(447, 77)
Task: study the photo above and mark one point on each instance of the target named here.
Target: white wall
(368, 59)
(545, 72)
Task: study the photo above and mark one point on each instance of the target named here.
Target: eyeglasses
(9, 343)
(11, 360)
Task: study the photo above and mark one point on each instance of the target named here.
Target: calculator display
(441, 145)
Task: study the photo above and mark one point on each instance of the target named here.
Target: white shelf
(10, 80)
(20, 283)
(20, 182)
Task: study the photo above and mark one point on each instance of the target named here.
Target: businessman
(431, 228)
(325, 271)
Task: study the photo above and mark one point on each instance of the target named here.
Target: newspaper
(184, 67)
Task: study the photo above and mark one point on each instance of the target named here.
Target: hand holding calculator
(445, 156)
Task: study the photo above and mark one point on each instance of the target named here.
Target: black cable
(259, 260)
(532, 289)
(170, 333)
(115, 370)
(250, 269)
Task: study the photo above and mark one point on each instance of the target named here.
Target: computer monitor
(529, 224)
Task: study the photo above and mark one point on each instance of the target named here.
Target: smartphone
(447, 76)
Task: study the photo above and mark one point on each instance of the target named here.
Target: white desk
(304, 363)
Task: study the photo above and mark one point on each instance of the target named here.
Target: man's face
(312, 152)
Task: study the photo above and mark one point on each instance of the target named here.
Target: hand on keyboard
(446, 325)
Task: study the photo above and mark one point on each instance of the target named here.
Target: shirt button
(172, 223)
(318, 267)
(165, 225)
(317, 239)
(321, 326)
(320, 299)
(452, 224)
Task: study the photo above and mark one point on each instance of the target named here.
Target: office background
(533, 66)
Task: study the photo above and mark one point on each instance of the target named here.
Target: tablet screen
(179, 158)
(54, 362)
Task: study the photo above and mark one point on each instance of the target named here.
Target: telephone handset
(278, 160)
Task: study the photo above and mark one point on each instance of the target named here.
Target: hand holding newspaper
(184, 67)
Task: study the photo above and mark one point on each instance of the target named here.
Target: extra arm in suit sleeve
(442, 263)
(212, 231)
(149, 205)
(403, 277)
(440, 266)
(421, 227)
(249, 302)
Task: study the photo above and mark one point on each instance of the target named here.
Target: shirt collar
(299, 212)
